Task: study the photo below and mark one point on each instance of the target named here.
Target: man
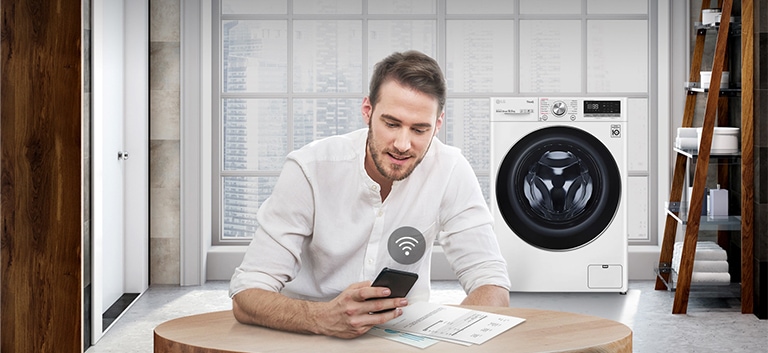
(347, 206)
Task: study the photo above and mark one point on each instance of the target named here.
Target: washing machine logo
(406, 245)
(615, 131)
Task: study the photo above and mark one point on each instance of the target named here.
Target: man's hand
(348, 315)
(351, 314)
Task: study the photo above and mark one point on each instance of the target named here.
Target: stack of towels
(687, 138)
(710, 264)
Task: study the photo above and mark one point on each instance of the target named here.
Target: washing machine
(558, 173)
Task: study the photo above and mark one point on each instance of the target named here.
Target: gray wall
(164, 140)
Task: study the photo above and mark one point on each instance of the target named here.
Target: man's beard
(379, 160)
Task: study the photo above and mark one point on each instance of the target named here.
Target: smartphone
(398, 282)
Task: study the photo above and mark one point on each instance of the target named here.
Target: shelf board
(693, 153)
(728, 289)
(696, 87)
(734, 28)
(679, 211)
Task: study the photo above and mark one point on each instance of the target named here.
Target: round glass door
(558, 188)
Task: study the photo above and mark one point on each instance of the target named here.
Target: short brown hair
(412, 69)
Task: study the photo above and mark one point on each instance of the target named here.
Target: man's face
(400, 130)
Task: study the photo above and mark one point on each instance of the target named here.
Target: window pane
(327, 56)
(467, 126)
(551, 60)
(328, 6)
(548, 7)
(255, 56)
(401, 7)
(617, 56)
(479, 7)
(318, 118)
(617, 6)
(480, 56)
(254, 7)
(254, 134)
(242, 198)
(386, 37)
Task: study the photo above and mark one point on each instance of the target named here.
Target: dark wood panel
(40, 143)
(747, 157)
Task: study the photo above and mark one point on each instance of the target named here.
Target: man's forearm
(349, 315)
(487, 295)
(274, 310)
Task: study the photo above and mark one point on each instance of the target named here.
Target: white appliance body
(558, 172)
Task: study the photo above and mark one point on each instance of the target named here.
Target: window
(287, 72)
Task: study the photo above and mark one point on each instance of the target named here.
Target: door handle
(122, 155)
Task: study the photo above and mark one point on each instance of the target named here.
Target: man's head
(403, 111)
(411, 69)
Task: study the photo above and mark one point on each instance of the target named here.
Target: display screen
(602, 107)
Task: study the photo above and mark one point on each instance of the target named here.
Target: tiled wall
(164, 140)
(761, 157)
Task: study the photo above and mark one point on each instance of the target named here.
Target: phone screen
(398, 282)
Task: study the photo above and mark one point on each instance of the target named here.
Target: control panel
(548, 109)
(577, 109)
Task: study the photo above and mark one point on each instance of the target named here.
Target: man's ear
(367, 110)
(439, 122)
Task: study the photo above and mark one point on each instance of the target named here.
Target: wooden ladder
(716, 106)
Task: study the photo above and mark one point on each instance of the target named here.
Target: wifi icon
(406, 245)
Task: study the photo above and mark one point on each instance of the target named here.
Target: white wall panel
(637, 129)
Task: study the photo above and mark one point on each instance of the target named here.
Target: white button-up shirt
(325, 227)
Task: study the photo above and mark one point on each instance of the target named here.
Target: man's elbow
(240, 315)
(488, 295)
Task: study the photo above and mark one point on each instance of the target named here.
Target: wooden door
(41, 167)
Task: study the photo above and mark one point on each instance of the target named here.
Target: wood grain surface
(543, 331)
(40, 137)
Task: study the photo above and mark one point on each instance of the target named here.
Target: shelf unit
(689, 214)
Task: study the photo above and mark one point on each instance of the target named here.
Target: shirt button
(370, 261)
(374, 187)
(381, 213)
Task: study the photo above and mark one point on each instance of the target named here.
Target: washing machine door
(558, 188)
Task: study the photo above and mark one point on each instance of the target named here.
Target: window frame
(442, 18)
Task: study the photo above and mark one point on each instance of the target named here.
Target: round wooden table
(542, 331)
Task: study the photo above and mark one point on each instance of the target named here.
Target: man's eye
(391, 124)
(420, 131)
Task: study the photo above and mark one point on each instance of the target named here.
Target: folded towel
(703, 265)
(708, 244)
(708, 278)
(705, 250)
(687, 143)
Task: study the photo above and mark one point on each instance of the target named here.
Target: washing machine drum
(558, 188)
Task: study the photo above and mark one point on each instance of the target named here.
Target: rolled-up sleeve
(468, 240)
(285, 221)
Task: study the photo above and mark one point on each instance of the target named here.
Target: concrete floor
(714, 322)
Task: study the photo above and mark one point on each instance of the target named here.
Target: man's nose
(403, 141)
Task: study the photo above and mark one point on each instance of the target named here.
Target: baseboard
(222, 261)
